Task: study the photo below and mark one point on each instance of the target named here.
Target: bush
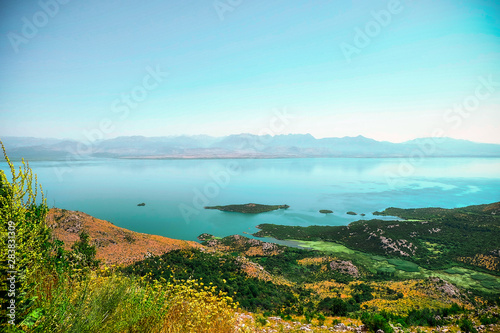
(83, 253)
(375, 322)
(333, 306)
(321, 319)
(489, 319)
(261, 320)
(362, 293)
(467, 326)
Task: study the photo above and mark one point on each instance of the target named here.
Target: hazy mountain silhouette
(241, 146)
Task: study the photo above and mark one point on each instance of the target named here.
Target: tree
(333, 306)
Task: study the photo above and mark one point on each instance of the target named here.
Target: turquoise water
(176, 190)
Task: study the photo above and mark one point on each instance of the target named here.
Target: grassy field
(403, 269)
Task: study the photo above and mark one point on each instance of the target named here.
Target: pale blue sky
(228, 71)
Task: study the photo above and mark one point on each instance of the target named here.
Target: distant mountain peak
(359, 138)
(246, 145)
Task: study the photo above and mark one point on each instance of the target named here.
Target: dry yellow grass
(114, 245)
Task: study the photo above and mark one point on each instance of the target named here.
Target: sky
(390, 70)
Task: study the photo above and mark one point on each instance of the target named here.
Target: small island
(249, 208)
(326, 211)
(351, 213)
(141, 204)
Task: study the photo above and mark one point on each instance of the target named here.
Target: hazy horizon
(235, 134)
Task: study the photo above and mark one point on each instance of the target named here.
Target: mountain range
(242, 146)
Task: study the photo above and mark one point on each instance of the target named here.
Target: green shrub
(83, 253)
(467, 326)
(321, 319)
(489, 319)
(261, 320)
(334, 306)
(375, 322)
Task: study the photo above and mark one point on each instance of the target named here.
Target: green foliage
(438, 237)
(285, 264)
(424, 317)
(337, 306)
(83, 253)
(321, 319)
(362, 293)
(261, 320)
(25, 237)
(222, 271)
(110, 302)
(467, 326)
(375, 322)
(248, 208)
(490, 319)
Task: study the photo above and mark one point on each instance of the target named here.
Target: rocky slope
(114, 245)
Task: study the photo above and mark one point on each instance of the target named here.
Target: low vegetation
(433, 238)
(249, 208)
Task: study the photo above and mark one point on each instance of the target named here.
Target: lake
(175, 191)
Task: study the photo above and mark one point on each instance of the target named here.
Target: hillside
(291, 289)
(303, 289)
(114, 245)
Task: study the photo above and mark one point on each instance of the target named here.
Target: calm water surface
(176, 190)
